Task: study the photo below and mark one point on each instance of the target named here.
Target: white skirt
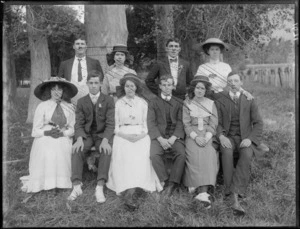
(130, 165)
(49, 164)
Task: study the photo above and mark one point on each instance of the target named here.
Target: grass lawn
(271, 196)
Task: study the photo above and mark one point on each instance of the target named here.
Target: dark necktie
(173, 60)
(79, 71)
(235, 98)
(59, 117)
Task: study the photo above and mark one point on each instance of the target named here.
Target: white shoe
(192, 190)
(77, 191)
(203, 197)
(99, 194)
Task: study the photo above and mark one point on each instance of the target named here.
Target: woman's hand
(200, 141)
(248, 95)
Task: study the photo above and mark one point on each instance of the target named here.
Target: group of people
(192, 118)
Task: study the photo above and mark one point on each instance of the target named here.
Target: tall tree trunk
(105, 26)
(39, 57)
(6, 107)
(164, 27)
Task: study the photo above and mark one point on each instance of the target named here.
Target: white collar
(81, 58)
(232, 94)
(166, 97)
(95, 96)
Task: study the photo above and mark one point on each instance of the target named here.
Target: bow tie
(173, 60)
(167, 98)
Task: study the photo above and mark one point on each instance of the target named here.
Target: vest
(94, 123)
(234, 129)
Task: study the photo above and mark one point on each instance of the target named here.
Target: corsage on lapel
(100, 106)
(180, 67)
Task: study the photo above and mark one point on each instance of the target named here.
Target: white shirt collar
(164, 97)
(237, 94)
(82, 58)
(95, 96)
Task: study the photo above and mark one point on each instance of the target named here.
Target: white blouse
(220, 69)
(131, 112)
(43, 115)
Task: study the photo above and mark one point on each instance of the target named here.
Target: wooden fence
(279, 75)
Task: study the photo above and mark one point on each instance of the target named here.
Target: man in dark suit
(76, 69)
(240, 128)
(173, 65)
(94, 125)
(166, 132)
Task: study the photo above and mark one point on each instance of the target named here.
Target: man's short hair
(233, 73)
(94, 73)
(81, 37)
(166, 77)
(173, 40)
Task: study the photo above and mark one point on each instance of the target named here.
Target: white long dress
(130, 163)
(50, 158)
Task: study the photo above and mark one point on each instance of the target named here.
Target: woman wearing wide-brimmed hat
(216, 70)
(53, 128)
(200, 120)
(130, 166)
(117, 70)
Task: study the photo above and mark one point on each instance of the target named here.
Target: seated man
(240, 128)
(94, 125)
(166, 132)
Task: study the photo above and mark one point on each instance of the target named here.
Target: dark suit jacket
(156, 118)
(65, 68)
(105, 117)
(163, 67)
(251, 124)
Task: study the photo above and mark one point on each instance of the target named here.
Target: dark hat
(130, 76)
(120, 48)
(212, 41)
(70, 89)
(202, 79)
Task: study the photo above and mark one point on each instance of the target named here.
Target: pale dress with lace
(130, 162)
(50, 158)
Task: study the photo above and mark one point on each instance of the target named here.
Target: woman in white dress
(216, 70)
(117, 61)
(130, 166)
(53, 128)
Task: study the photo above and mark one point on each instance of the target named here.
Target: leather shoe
(236, 207)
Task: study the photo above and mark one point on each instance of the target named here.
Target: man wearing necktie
(94, 126)
(76, 69)
(178, 68)
(239, 129)
(166, 132)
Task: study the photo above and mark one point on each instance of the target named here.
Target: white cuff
(208, 136)
(193, 135)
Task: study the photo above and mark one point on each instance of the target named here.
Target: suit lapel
(243, 104)
(166, 65)
(161, 106)
(69, 68)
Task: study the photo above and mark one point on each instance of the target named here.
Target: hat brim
(195, 81)
(70, 92)
(134, 78)
(201, 45)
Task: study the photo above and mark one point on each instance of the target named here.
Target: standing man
(178, 68)
(239, 129)
(94, 125)
(166, 132)
(77, 68)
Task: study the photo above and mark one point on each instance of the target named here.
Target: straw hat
(120, 48)
(212, 41)
(130, 76)
(69, 89)
(202, 79)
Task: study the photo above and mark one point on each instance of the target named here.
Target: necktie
(235, 98)
(58, 116)
(173, 60)
(79, 71)
(94, 99)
